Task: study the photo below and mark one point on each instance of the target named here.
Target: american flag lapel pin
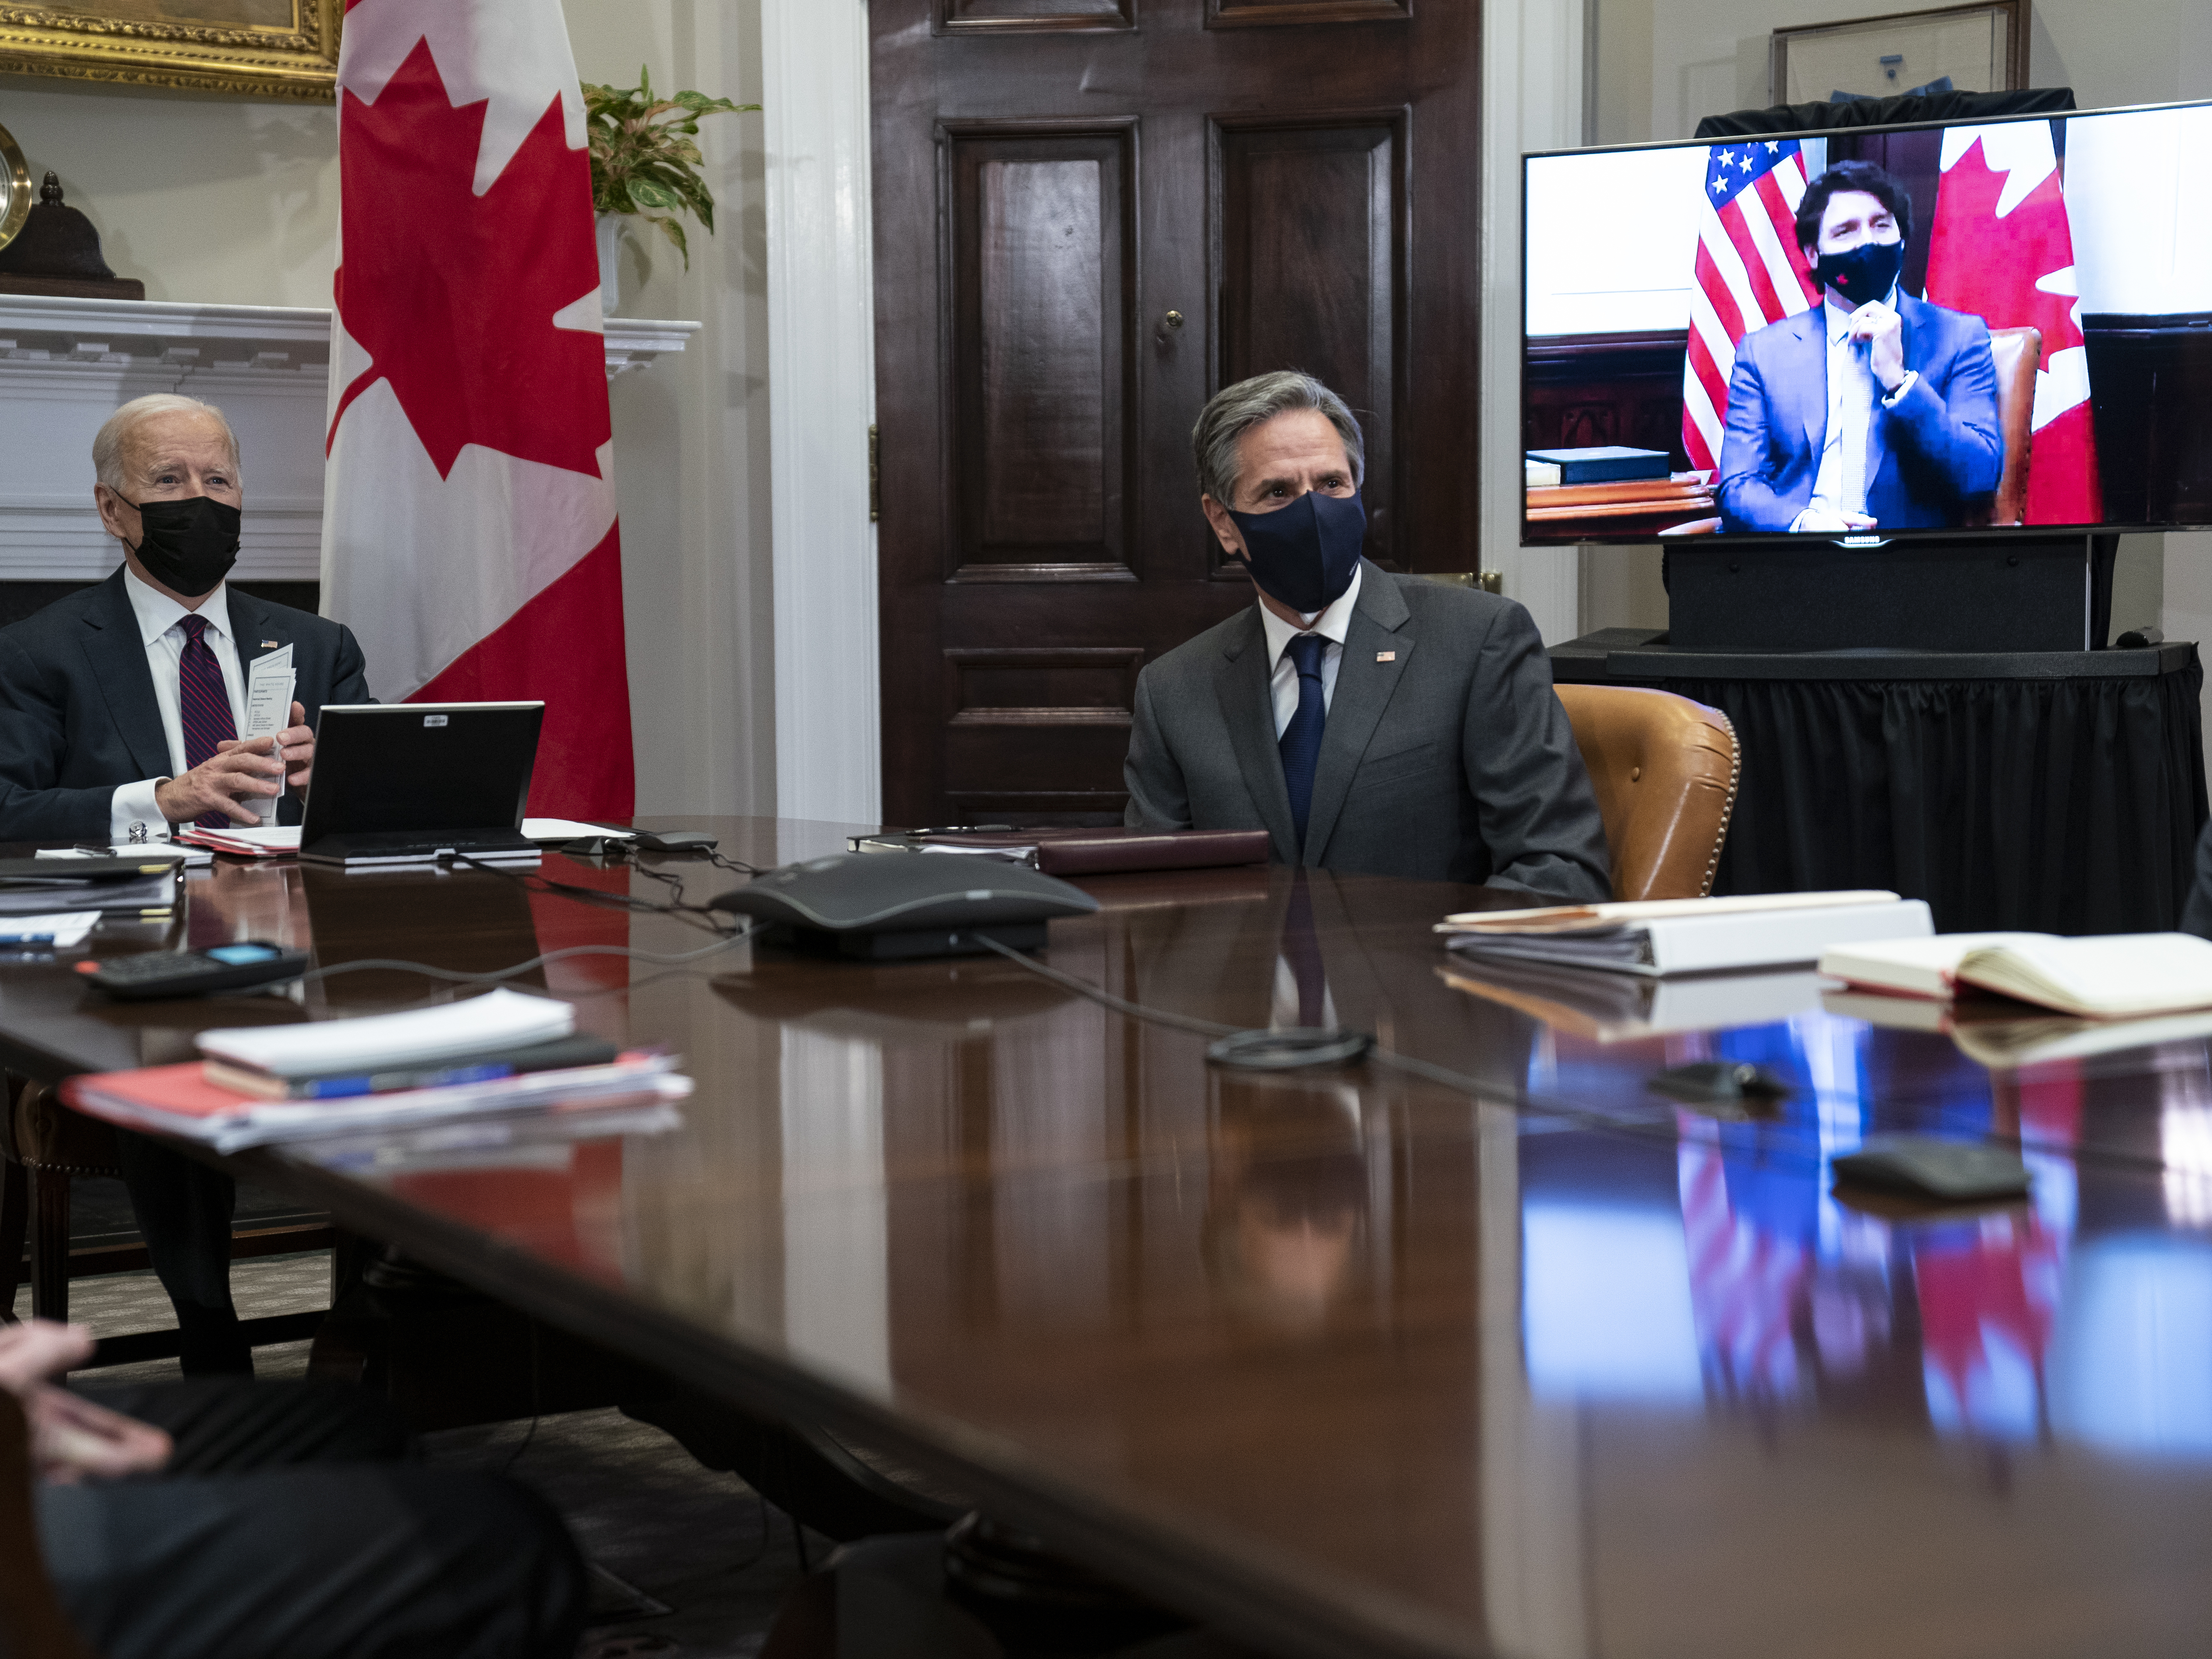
(268, 645)
(1386, 656)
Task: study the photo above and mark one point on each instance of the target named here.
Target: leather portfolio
(1096, 852)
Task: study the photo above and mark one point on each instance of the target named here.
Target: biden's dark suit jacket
(1450, 761)
(1927, 459)
(77, 714)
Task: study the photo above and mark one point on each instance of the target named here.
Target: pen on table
(25, 938)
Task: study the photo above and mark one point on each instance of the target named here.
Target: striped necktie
(202, 705)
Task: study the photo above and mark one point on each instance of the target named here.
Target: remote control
(194, 973)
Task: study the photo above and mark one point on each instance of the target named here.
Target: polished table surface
(1347, 1361)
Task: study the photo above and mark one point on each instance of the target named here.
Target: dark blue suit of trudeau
(1929, 460)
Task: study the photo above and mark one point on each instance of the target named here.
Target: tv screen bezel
(1531, 536)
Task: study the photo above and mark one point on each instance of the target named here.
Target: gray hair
(107, 443)
(1235, 410)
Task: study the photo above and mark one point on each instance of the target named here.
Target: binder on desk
(1687, 936)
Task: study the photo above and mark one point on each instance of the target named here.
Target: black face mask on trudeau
(189, 545)
(1866, 272)
(1304, 554)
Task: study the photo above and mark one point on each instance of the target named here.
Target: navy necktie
(1300, 744)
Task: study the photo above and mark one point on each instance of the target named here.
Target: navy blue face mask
(1304, 554)
(1866, 272)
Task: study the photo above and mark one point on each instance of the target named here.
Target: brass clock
(15, 197)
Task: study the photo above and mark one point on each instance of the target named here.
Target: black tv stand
(1999, 594)
(2060, 790)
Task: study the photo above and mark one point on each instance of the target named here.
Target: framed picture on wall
(260, 48)
(1977, 48)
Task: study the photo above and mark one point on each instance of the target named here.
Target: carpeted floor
(687, 1561)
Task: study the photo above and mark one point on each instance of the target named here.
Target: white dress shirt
(1840, 486)
(160, 625)
(1332, 625)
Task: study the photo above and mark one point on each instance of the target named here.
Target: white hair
(107, 443)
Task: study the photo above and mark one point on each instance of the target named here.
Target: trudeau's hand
(1884, 331)
(297, 743)
(236, 774)
(1832, 523)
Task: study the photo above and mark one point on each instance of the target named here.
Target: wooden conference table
(1346, 1362)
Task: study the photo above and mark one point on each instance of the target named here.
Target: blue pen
(26, 939)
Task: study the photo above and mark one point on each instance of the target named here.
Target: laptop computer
(404, 782)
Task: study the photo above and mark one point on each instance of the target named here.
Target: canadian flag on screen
(469, 531)
(2002, 248)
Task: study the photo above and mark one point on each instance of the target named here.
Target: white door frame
(821, 401)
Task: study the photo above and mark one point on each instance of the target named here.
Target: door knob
(1173, 320)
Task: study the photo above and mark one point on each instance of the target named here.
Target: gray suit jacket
(1452, 761)
(77, 714)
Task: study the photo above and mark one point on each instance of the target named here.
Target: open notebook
(2107, 976)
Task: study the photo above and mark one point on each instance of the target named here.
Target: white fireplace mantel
(66, 364)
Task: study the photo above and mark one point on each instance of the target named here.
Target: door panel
(1260, 13)
(1310, 239)
(1090, 215)
(1003, 16)
(1040, 256)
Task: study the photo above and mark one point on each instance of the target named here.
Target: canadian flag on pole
(2002, 248)
(469, 531)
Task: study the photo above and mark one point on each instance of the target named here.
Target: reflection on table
(1352, 1360)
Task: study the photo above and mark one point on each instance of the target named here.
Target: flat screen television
(1963, 334)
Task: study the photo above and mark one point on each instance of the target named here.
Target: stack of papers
(45, 887)
(189, 858)
(184, 1100)
(64, 932)
(1659, 937)
(554, 831)
(244, 841)
(417, 1037)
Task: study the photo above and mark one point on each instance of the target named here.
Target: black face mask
(187, 546)
(1866, 272)
(1304, 554)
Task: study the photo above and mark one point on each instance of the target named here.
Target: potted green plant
(645, 165)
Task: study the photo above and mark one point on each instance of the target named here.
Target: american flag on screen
(1749, 273)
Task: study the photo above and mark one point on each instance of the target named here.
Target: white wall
(202, 198)
(1533, 91)
(691, 438)
(231, 201)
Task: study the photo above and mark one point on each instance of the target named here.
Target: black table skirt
(2062, 803)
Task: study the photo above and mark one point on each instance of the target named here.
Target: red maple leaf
(1979, 263)
(453, 293)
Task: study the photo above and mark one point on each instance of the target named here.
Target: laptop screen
(417, 766)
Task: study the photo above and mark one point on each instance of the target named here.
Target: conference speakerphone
(410, 783)
(899, 906)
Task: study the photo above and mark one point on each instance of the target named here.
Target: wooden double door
(1090, 216)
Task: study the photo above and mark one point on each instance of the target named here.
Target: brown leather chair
(2019, 354)
(32, 1623)
(43, 1145)
(1665, 770)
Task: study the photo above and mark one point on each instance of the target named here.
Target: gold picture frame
(253, 48)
